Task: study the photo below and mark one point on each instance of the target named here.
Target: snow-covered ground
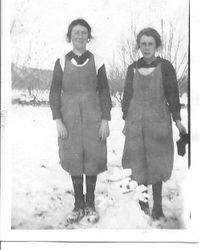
(42, 191)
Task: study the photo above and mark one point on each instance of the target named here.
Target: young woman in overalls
(80, 103)
(150, 98)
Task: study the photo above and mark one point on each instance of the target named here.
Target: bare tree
(175, 54)
(128, 51)
(116, 80)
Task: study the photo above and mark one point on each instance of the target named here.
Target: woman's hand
(104, 130)
(61, 129)
(181, 128)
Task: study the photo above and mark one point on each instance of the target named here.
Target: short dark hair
(81, 22)
(149, 32)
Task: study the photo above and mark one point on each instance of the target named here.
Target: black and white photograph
(98, 112)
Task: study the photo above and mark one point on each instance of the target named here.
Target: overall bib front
(148, 148)
(82, 151)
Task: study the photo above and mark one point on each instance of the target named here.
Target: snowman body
(120, 207)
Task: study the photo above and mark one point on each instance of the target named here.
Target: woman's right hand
(61, 129)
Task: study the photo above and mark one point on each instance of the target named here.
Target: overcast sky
(40, 26)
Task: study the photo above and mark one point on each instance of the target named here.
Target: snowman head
(116, 189)
(121, 185)
(127, 185)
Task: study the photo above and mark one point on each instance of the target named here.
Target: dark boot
(78, 212)
(144, 205)
(157, 212)
(90, 211)
(75, 216)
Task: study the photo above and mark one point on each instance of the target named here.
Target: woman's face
(79, 37)
(147, 46)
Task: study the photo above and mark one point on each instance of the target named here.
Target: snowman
(119, 206)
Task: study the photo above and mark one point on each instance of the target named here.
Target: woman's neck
(150, 60)
(78, 52)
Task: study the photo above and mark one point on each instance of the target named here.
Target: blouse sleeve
(104, 93)
(55, 91)
(128, 91)
(171, 89)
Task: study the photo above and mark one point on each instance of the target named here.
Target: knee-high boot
(78, 191)
(157, 211)
(91, 213)
(90, 190)
(78, 211)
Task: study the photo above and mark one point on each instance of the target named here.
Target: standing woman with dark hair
(80, 103)
(150, 97)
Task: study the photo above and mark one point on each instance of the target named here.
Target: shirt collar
(142, 64)
(79, 59)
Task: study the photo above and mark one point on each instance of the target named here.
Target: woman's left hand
(104, 130)
(180, 126)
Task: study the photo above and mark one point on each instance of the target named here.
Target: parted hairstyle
(79, 21)
(149, 32)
